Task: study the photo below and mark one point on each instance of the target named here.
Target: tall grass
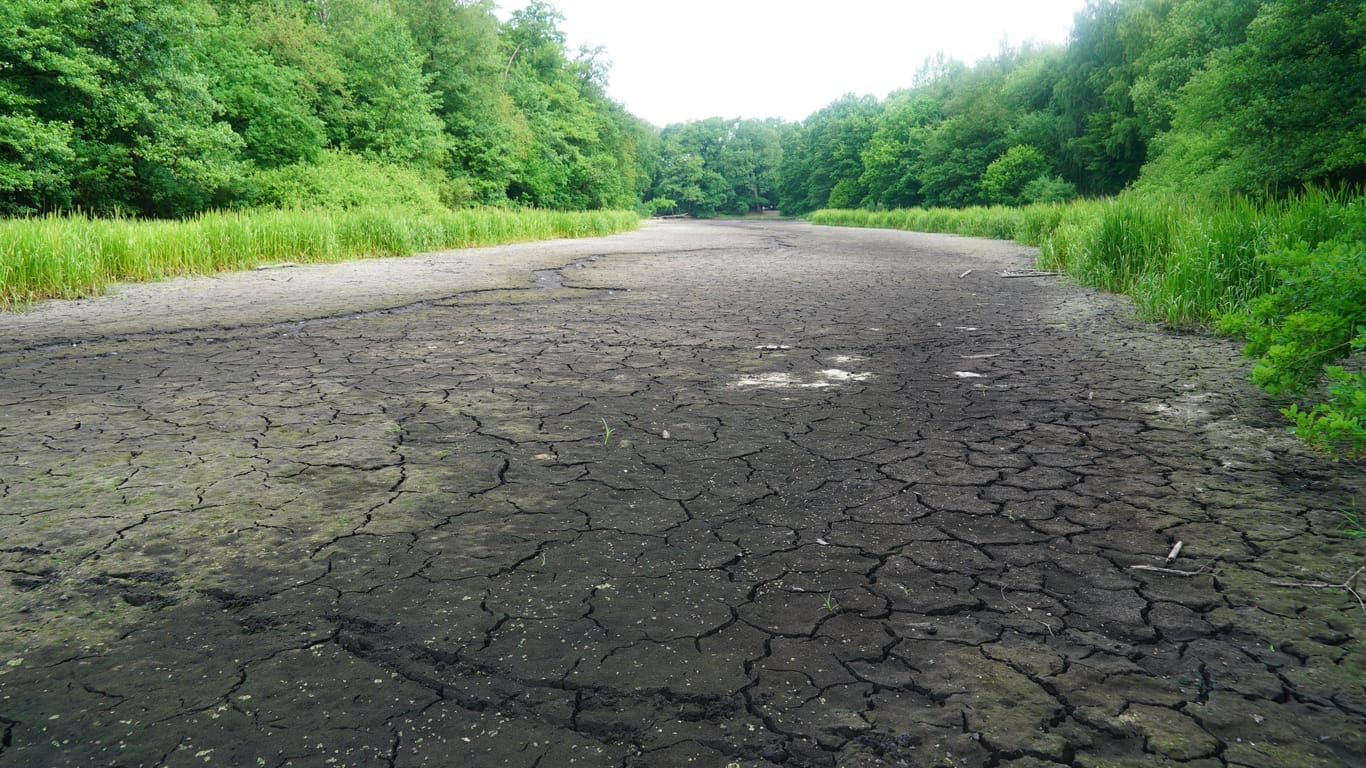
(1185, 261)
(73, 256)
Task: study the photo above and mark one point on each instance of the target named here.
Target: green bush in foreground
(1288, 275)
(75, 256)
(1312, 319)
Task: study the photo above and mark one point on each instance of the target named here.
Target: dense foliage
(165, 109)
(1203, 96)
(715, 166)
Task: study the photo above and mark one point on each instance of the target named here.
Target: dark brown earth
(857, 507)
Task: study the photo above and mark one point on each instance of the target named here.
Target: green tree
(459, 42)
(1284, 107)
(37, 157)
(1181, 36)
(689, 176)
(1005, 180)
(959, 148)
(575, 147)
(717, 166)
(823, 166)
(263, 99)
(892, 159)
(1103, 146)
(117, 108)
(389, 113)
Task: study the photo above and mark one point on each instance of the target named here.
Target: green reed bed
(1184, 261)
(73, 256)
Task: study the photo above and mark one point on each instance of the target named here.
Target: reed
(72, 256)
(1185, 261)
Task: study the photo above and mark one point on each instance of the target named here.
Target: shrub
(341, 180)
(1049, 189)
(1004, 182)
(1314, 318)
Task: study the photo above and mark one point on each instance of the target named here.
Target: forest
(1254, 97)
(1205, 156)
(161, 109)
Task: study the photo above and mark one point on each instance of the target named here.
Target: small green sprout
(606, 432)
(1352, 523)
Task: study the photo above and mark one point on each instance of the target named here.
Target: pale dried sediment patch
(827, 378)
(835, 374)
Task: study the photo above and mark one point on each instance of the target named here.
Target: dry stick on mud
(1350, 585)
(1176, 550)
(1175, 572)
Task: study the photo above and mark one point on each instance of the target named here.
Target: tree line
(158, 108)
(1249, 97)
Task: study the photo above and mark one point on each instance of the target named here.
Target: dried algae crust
(361, 515)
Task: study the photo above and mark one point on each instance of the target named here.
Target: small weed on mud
(606, 432)
(831, 604)
(1352, 524)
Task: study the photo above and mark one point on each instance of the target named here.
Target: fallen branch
(1350, 585)
(1175, 572)
(1030, 273)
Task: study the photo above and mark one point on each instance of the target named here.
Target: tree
(891, 161)
(689, 176)
(37, 157)
(1005, 180)
(263, 99)
(576, 147)
(1103, 146)
(390, 113)
(1284, 107)
(1182, 35)
(824, 165)
(460, 45)
(109, 107)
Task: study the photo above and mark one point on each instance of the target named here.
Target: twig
(1029, 273)
(1026, 615)
(1350, 585)
(965, 274)
(1173, 571)
(1176, 550)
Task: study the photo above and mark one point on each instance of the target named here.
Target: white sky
(680, 60)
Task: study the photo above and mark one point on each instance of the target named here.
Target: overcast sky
(691, 59)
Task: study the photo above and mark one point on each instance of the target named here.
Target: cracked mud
(751, 493)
